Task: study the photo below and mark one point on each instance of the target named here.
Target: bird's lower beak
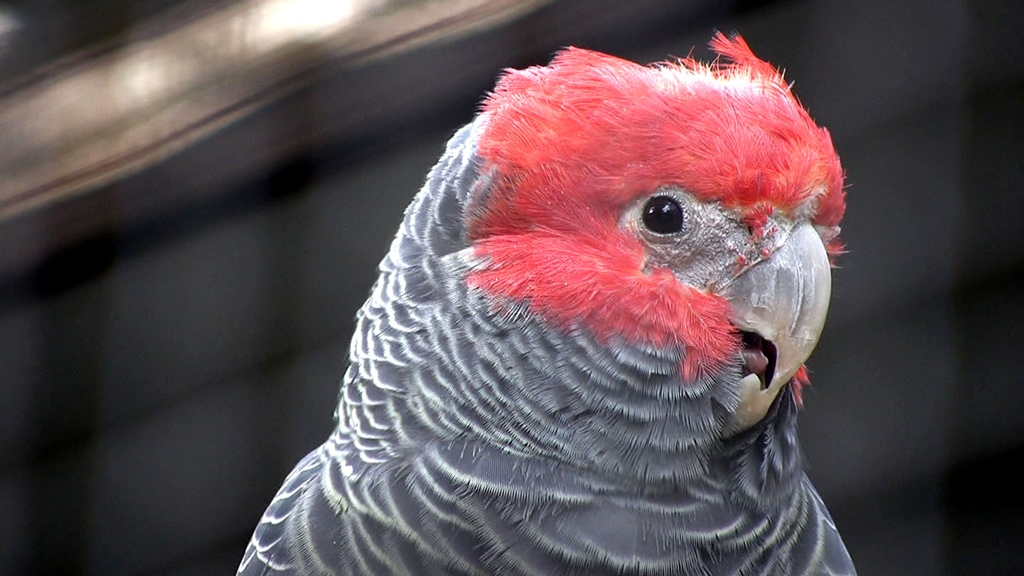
(782, 300)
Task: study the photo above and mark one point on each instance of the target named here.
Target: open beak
(779, 305)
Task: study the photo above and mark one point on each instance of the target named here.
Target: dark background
(160, 376)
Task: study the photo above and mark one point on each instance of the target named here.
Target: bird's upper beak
(783, 299)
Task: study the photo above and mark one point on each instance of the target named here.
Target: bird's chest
(495, 515)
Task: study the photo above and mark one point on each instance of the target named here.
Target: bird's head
(684, 206)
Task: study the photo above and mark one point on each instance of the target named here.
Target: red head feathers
(571, 144)
(595, 128)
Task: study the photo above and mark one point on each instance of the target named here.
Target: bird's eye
(663, 215)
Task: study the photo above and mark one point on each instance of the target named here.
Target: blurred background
(194, 197)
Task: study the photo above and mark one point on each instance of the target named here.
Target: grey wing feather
(272, 549)
(324, 520)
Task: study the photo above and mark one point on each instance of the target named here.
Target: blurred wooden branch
(94, 123)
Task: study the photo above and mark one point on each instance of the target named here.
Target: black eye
(663, 215)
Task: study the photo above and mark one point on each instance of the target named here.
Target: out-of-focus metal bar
(96, 122)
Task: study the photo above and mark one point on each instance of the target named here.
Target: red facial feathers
(571, 144)
(598, 282)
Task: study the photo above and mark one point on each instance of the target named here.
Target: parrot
(585, 348)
